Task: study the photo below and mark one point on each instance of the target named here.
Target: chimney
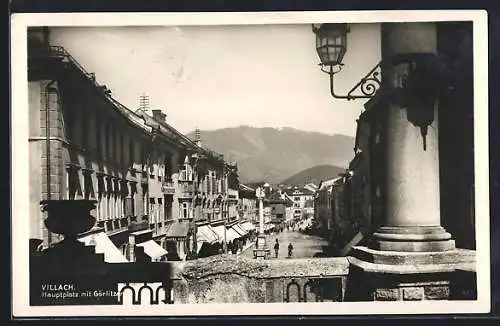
(159, 116)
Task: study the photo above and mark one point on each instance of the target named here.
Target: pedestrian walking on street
(276, 248)
(290, 250)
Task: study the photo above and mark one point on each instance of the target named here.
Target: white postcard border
(20, 162)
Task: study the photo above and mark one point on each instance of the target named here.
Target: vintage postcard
(279, 163)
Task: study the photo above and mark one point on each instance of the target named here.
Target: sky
(212, 77)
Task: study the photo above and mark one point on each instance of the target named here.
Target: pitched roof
(298, 191)
(245, 187)
(328, 183)
(311, 185)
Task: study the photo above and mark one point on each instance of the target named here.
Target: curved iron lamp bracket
(365, 88)
(426, 75)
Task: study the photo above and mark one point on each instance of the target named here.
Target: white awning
(248, 226)
(219, 230)
(206, 234)
(152, 249)
(231, 234)
(104, 245)
(242, 232)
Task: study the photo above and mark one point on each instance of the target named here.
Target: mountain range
(275, 154)
(315, 175)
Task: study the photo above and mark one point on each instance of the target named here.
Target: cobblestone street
(304, 246)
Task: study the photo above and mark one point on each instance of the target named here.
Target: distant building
(324, 206)
(278, 208)
(248, 207)
(303, 201)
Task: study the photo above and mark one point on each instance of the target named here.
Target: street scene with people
(293, 242)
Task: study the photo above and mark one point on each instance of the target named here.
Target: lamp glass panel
(333, 54)
(323, 55)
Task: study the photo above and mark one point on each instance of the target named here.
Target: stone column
(411, 256)
(412, 212)
(261, 216)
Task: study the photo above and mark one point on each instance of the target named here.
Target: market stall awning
(178, 229)
(248, 226)
(219, 230)
(206, 234)
(231, 234)
(152, 249)
(242, 232)
(104, 245)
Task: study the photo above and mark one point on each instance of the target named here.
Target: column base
(412, 239)
(376, 275)
(261, 250)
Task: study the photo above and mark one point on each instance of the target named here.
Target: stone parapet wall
(236, 279)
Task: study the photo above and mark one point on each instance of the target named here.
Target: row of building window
(113, 144)
(210, 184)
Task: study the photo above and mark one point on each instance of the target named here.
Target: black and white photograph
(325, 162)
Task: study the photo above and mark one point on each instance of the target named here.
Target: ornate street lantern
(417, 89)
(331, 43)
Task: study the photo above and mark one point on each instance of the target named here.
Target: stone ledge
(405, 268)
(276, 268)
(465, 257)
